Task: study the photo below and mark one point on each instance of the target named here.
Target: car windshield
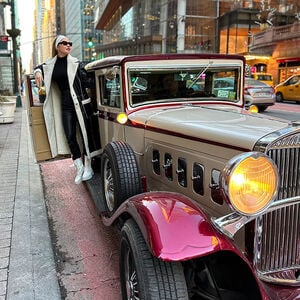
(207, 82)
(264, 77)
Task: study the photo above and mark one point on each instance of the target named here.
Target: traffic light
(3, 42)
(90, 43)
(4, 38)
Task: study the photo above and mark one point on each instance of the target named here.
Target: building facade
(157, 26)
(267, 33)
(6, 77)
(169, 26)
(45, 30)
(80, 28)
(100, 28)
(73, 18)
(10, 66)
(281, 45)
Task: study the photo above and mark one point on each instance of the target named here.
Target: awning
(288, 59)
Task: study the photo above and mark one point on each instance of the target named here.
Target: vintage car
(256, 92)
(206, 194)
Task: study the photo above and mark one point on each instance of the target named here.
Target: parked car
(205, 194)
(255, 92)
(264, 77)
(289, 89)
(258, 93)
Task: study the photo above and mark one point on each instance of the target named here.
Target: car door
(34, 98)
(110, 104)
(292, 89)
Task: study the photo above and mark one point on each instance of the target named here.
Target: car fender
(173, 226)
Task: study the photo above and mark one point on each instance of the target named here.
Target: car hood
(235, 127)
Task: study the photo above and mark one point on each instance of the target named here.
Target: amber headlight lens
(251, 180)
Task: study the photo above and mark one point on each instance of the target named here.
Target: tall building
(266, 32)
(45, 24)
(73, 18)
(157, 26)
(168, 26)
(5, 57)
(10, 62)
(73, 26)
(100, 28)
(80, 28)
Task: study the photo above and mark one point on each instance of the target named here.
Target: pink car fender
(173, 226)
(176, 229)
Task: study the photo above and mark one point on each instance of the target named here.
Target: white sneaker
(80, 169)
(88, 171)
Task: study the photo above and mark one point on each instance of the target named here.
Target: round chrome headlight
(250, 181)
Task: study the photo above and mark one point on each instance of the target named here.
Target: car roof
(119, 60)
(252, 81)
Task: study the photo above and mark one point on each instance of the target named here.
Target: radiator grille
(278, 232)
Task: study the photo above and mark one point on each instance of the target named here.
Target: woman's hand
(38, 79)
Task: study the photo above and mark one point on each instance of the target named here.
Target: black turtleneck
(60, 76)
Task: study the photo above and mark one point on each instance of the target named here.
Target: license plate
(262, 95)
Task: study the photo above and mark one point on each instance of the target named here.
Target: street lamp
(14, 33)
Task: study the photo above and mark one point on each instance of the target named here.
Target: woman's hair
(54, 48)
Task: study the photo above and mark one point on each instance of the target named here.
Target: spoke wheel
(108, 185)
(144, 276)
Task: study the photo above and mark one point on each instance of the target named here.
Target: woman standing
(65, 80)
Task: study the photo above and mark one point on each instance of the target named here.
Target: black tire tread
(126, 175)
(161, 280)
(279, 97)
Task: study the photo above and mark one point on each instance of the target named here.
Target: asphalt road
(287, 110)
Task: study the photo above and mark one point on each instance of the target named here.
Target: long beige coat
(52, 109)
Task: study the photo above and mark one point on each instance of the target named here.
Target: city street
(286, 110)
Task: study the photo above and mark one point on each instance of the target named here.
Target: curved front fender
(173, 226)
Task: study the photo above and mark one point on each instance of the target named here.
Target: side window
(110, 91)
(294, 80)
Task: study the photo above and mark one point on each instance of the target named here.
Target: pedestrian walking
(66, 106)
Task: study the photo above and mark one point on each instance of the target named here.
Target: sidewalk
(27, 267)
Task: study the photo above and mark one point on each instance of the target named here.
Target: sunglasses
(65, 43)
